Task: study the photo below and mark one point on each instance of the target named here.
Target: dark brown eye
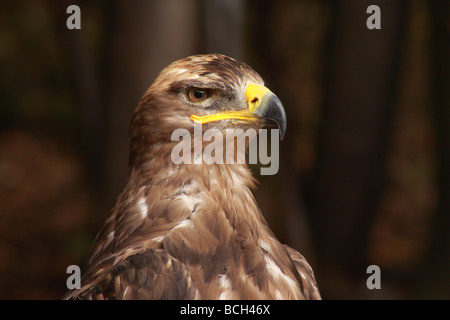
(198, 95)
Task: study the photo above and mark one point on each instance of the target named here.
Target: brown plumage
(193, 231)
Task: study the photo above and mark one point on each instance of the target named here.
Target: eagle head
(211, 90)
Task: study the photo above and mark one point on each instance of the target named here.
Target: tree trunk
(145, 37)
(434, 278)
(360, 94)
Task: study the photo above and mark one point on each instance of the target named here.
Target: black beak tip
(272, 109)
(282, 127)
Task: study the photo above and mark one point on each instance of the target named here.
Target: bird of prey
(194, 231)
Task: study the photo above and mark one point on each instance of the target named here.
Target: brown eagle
(194, 231)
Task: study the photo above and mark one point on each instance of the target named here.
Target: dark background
(365, 164)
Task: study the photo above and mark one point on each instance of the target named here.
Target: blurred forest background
(365, 166)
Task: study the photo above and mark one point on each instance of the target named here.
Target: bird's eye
(198, 94)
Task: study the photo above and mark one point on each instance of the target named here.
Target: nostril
(255, 99)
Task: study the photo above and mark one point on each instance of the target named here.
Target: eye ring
(198, 94)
